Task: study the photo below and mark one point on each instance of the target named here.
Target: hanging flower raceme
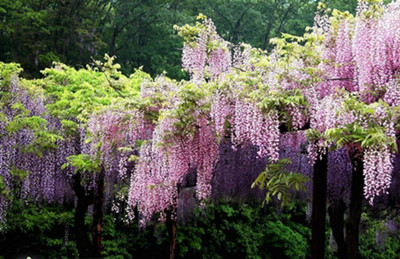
(376, 51)
(219, 62)
(325, 115)
(222, 109)
(338, 60)
(368, 132)
(378, 167)
(362, 46)
(378, 158)
(385, 51)
(28, 155)
(251, 126)
(194, 58)
(165, 161)
(205, 54)
(113, 139)
(205, 157)
(149, 191)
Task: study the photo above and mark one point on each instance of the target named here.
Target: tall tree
(36, 33)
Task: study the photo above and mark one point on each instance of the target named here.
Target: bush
(243, 231)
(221, 230)
(38, 230)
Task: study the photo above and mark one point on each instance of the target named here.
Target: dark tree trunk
(336, 215)
(319, 207)
(173, 240)
(172, 228)
(83, 202)
(98, 209)
(353, 222)
(113, 42)
(267, 35)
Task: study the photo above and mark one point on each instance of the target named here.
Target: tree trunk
(319, 208)
(113, 42)
(172, 228)
(336, 216)
(82, 239)
(267, 35)
(98, 208)
(353, 222)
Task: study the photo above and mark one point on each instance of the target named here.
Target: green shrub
(244, 231)
(221, 230)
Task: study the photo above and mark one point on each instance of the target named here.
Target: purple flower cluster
(208, 56)
(165, 161)
(251, 126)
(378, 169)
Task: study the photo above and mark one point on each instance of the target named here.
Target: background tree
(139, 33)
(36, 33)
